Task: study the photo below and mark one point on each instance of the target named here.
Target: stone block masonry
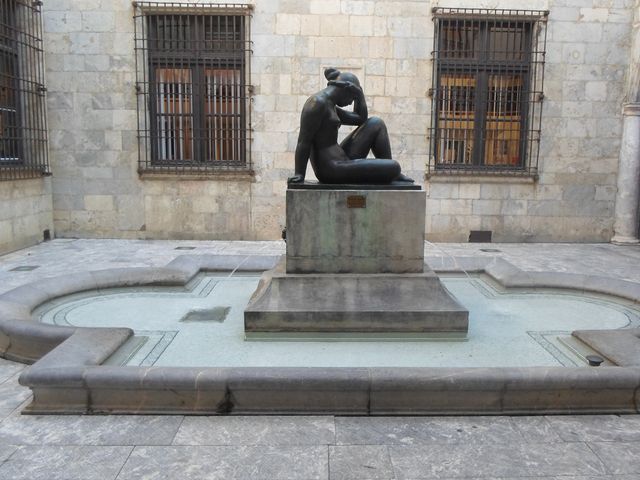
(572, 199)
(25, 212)
(355, 231)
(97, 191)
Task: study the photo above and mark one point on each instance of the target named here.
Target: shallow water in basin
(202, 325)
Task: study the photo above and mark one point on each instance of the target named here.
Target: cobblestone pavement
(589, 447)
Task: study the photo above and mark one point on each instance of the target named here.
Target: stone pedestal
(353, 303)
(355, 231)
(354, 264)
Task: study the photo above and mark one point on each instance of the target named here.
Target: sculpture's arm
(310, 121)
(360, 112)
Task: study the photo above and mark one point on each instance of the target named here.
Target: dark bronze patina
(347, 162)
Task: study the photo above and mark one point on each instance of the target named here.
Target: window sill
(21, 173)
(231, 176)
(468, 177)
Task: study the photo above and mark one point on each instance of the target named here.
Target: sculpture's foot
(402, 178)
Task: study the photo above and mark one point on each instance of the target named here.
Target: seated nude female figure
(347, 162)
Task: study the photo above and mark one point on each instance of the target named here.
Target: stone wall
(573, 199)
(92, 119)
(26, 212)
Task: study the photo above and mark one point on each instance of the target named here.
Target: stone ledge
(533, 390)
(354, 391)
(245, 176)
(24, 339)
(631, 109)
(353, 303)
(353, 186)
(510, 276)
(70, 378)
(622, 347)
(465, 177)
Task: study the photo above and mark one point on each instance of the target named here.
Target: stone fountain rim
(68, 375)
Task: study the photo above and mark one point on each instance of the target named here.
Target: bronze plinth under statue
(347, 162)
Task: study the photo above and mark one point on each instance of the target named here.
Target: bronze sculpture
(347, 162)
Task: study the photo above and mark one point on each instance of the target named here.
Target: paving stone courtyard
(70, 447)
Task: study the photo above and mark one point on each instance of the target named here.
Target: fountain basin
(201, 325)
(71, 378)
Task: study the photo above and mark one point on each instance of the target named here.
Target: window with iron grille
(23, 132)
(487, 92)
(193, 94)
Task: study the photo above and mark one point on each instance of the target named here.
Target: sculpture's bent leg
(361, 171)
(371, 136)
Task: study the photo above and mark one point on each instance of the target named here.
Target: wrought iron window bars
(23, 130)
(488, 80)
(192, 64)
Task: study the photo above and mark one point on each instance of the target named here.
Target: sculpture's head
(342, 81)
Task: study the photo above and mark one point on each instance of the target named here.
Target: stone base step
(365, 303)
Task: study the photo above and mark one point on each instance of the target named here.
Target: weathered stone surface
(88, 430)
(86, 388)
(256, 430)
(88, 346)
(228, 462)
(371, 459)
(592, 428)
(355, 231)
(354, 263)
(360, 461)
(424, 431)
(619, 457)
(11, 397)
(90, 52)
(628, 193)
(505, 460)
(620, 346)
(9, 369)
(508, 390)
(536, 429)
(68, 462)
(6, 451)
(298, 390)
(26, 212)
(347, 302)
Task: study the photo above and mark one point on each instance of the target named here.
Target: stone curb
(24, 339)
(337, 391)
(68, 376)
(510, 276)
(621, 347)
